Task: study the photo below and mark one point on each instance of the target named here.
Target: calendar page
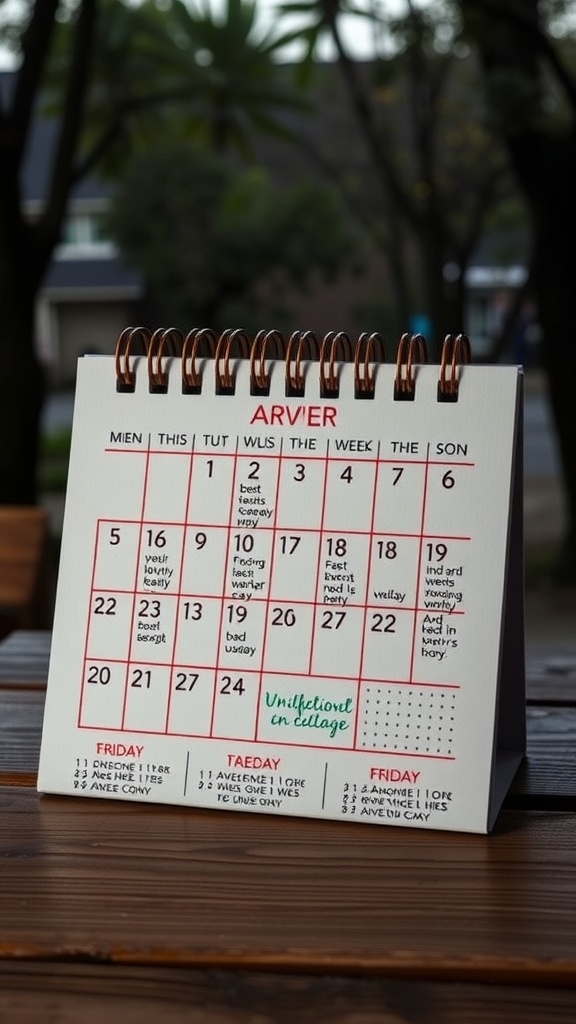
(284, 605)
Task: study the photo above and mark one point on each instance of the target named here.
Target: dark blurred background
(197, 164)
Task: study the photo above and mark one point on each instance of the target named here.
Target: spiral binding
(195, 340)
(299, 343)
(364, 378)
(128, 340)
(259, 379)
(169, 338)
(411, 349)
(455, 352)
(202, 346)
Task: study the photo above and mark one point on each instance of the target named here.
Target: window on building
(483, 320)
(84, 236)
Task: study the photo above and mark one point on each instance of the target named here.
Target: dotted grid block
(407, 719)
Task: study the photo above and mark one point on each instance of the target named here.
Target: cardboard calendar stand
(291, 587)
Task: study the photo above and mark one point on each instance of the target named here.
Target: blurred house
(497, 273)
(89, 293)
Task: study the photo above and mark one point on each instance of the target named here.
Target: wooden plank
(107, 882)
(94, 993)
(20, 731)
(552, 734)
(558, 648)
(30, 648)
(543, 784)
(551, 671)
(25, 573)
(24, 657)
(546, 781)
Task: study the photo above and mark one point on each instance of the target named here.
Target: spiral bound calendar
(291, 580)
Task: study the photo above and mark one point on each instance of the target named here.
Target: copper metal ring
(164, 337)
(334, 340)
(411, 349)
(302, 341)
(125, 375)
(364, 382)
(191, 376)
(455, 352)
(259, 379)
(224, 376)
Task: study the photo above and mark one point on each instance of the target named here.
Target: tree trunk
(542, 150)
(21, 378)
(549, 173)
(21, 399)
(445, 299)
(557, 316)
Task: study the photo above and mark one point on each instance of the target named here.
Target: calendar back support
(291, 604)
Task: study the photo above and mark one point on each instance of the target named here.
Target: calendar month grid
(318, 586)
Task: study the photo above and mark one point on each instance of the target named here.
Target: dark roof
(502, 249)
(40, 152)
(106, 274)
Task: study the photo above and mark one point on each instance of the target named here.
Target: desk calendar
(302, 600)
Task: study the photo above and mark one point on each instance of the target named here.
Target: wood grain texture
(32, 993)
(108, 882)
(25, 572)
(543, 784)
(552, 733)
(547, 780)
(551, 671)
(133, 913)
(20, 732)
(24, 658)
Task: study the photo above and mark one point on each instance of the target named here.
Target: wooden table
(134, 913)
(25, 574)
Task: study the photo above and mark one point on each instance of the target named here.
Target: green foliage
(219, 245)
(432, 161)
(56, 445)
(53, 463)
(179, 69)
(316, 17)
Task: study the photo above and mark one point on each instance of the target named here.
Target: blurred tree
(25, 247)
(529, 60)
(217, 246)
(130, 67)
(185, 69)
(437, 168)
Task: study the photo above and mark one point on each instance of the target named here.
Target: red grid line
(193, 524)
(366, 591)
(321, 534)
(223, 594)
(181, 573)
(327, 459)
(89, 622)
(284, 674)
(419, 565)
(267, 599)
(372, 751)
(296, 457)
(136, 572)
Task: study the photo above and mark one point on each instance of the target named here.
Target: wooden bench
(25, 576)
(114, 911)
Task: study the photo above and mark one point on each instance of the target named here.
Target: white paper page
(285, 605)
